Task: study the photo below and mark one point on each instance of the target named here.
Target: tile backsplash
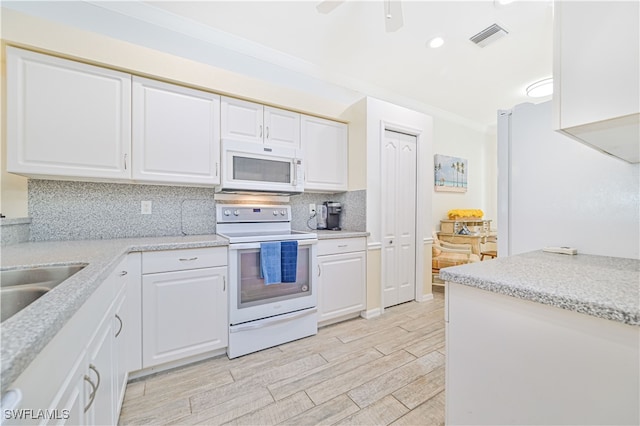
(68, 210)
(353, 209)
(14, 231)
(65, 210)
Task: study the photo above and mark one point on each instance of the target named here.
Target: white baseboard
(371, 313)
(175, 364)
(425, 298)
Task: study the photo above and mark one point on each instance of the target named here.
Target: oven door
(250, 299)
(254, 167)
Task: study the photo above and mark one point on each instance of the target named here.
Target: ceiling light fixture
(436, 42)
(540, 88)
(503, 2)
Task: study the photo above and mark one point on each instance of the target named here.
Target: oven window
(261, 170)
(252, 291)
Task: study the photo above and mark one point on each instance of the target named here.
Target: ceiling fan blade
(327, 6)
(393, 15)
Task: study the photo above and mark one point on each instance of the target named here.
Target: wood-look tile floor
(386, 370)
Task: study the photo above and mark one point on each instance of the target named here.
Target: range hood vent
(489, 35)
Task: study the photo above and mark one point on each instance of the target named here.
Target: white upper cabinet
(325, 148)
(65, 118)
(596, 69)
(251, 122)
(241, 120)
(176, 134)
(281, 128)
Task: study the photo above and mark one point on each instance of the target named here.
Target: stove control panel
(240, 213)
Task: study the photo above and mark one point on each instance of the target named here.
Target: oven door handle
(244, 246)
(271, 321)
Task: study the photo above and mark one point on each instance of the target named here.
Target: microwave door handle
(295, 171)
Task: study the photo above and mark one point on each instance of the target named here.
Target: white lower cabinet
(176, 311)
(73, 379)
(121, 331)
(100, 407)
(72, 398)
(90, 396)
(341, 278)
(184, 312)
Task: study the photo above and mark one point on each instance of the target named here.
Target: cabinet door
(241, 120)
(324, 144)
(341, 284)
(70, 405)
(176, 134)
(65, 118)
(100, 388)
(184, 313)
(282, 128)
(133, 321)
(121, 331)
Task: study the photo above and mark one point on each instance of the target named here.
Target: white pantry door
(399, 162)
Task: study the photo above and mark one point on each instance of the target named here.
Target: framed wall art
(450, 173)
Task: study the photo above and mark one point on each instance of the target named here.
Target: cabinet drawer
(179, 260)
(341, 245)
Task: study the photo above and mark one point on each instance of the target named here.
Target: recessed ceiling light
(540, 88)
(436, 42)
(503, 2)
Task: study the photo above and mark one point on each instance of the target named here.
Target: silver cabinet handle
(93, 367)
(94, 388)
(125, 161)
(261, 130)
(319, 270)
(92, 395)
(267, 132)
(217, 169)
(343, 245)
(123, 273)
(120, 329)
(224, 283)
(188, 259)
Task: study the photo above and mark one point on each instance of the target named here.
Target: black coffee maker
(333, 209)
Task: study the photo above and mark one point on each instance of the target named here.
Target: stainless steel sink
(21, 287)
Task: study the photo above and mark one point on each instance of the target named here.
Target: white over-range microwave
(252, 167)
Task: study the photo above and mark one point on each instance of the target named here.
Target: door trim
(421, 139)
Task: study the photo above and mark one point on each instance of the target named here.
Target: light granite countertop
(604, 287)
(25, 334)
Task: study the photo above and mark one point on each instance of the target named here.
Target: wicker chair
(489, 247)
(446, 254)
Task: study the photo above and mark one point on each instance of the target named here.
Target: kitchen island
(542, 338)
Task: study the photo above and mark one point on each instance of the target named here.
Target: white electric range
(265, 315)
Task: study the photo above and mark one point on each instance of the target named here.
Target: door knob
(390, 241)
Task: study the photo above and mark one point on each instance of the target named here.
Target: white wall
(479, 149)
(560, 192)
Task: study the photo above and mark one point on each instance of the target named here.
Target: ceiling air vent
(489, 35)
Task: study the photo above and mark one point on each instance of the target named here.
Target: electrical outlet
(312, 208)
(145, 207)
